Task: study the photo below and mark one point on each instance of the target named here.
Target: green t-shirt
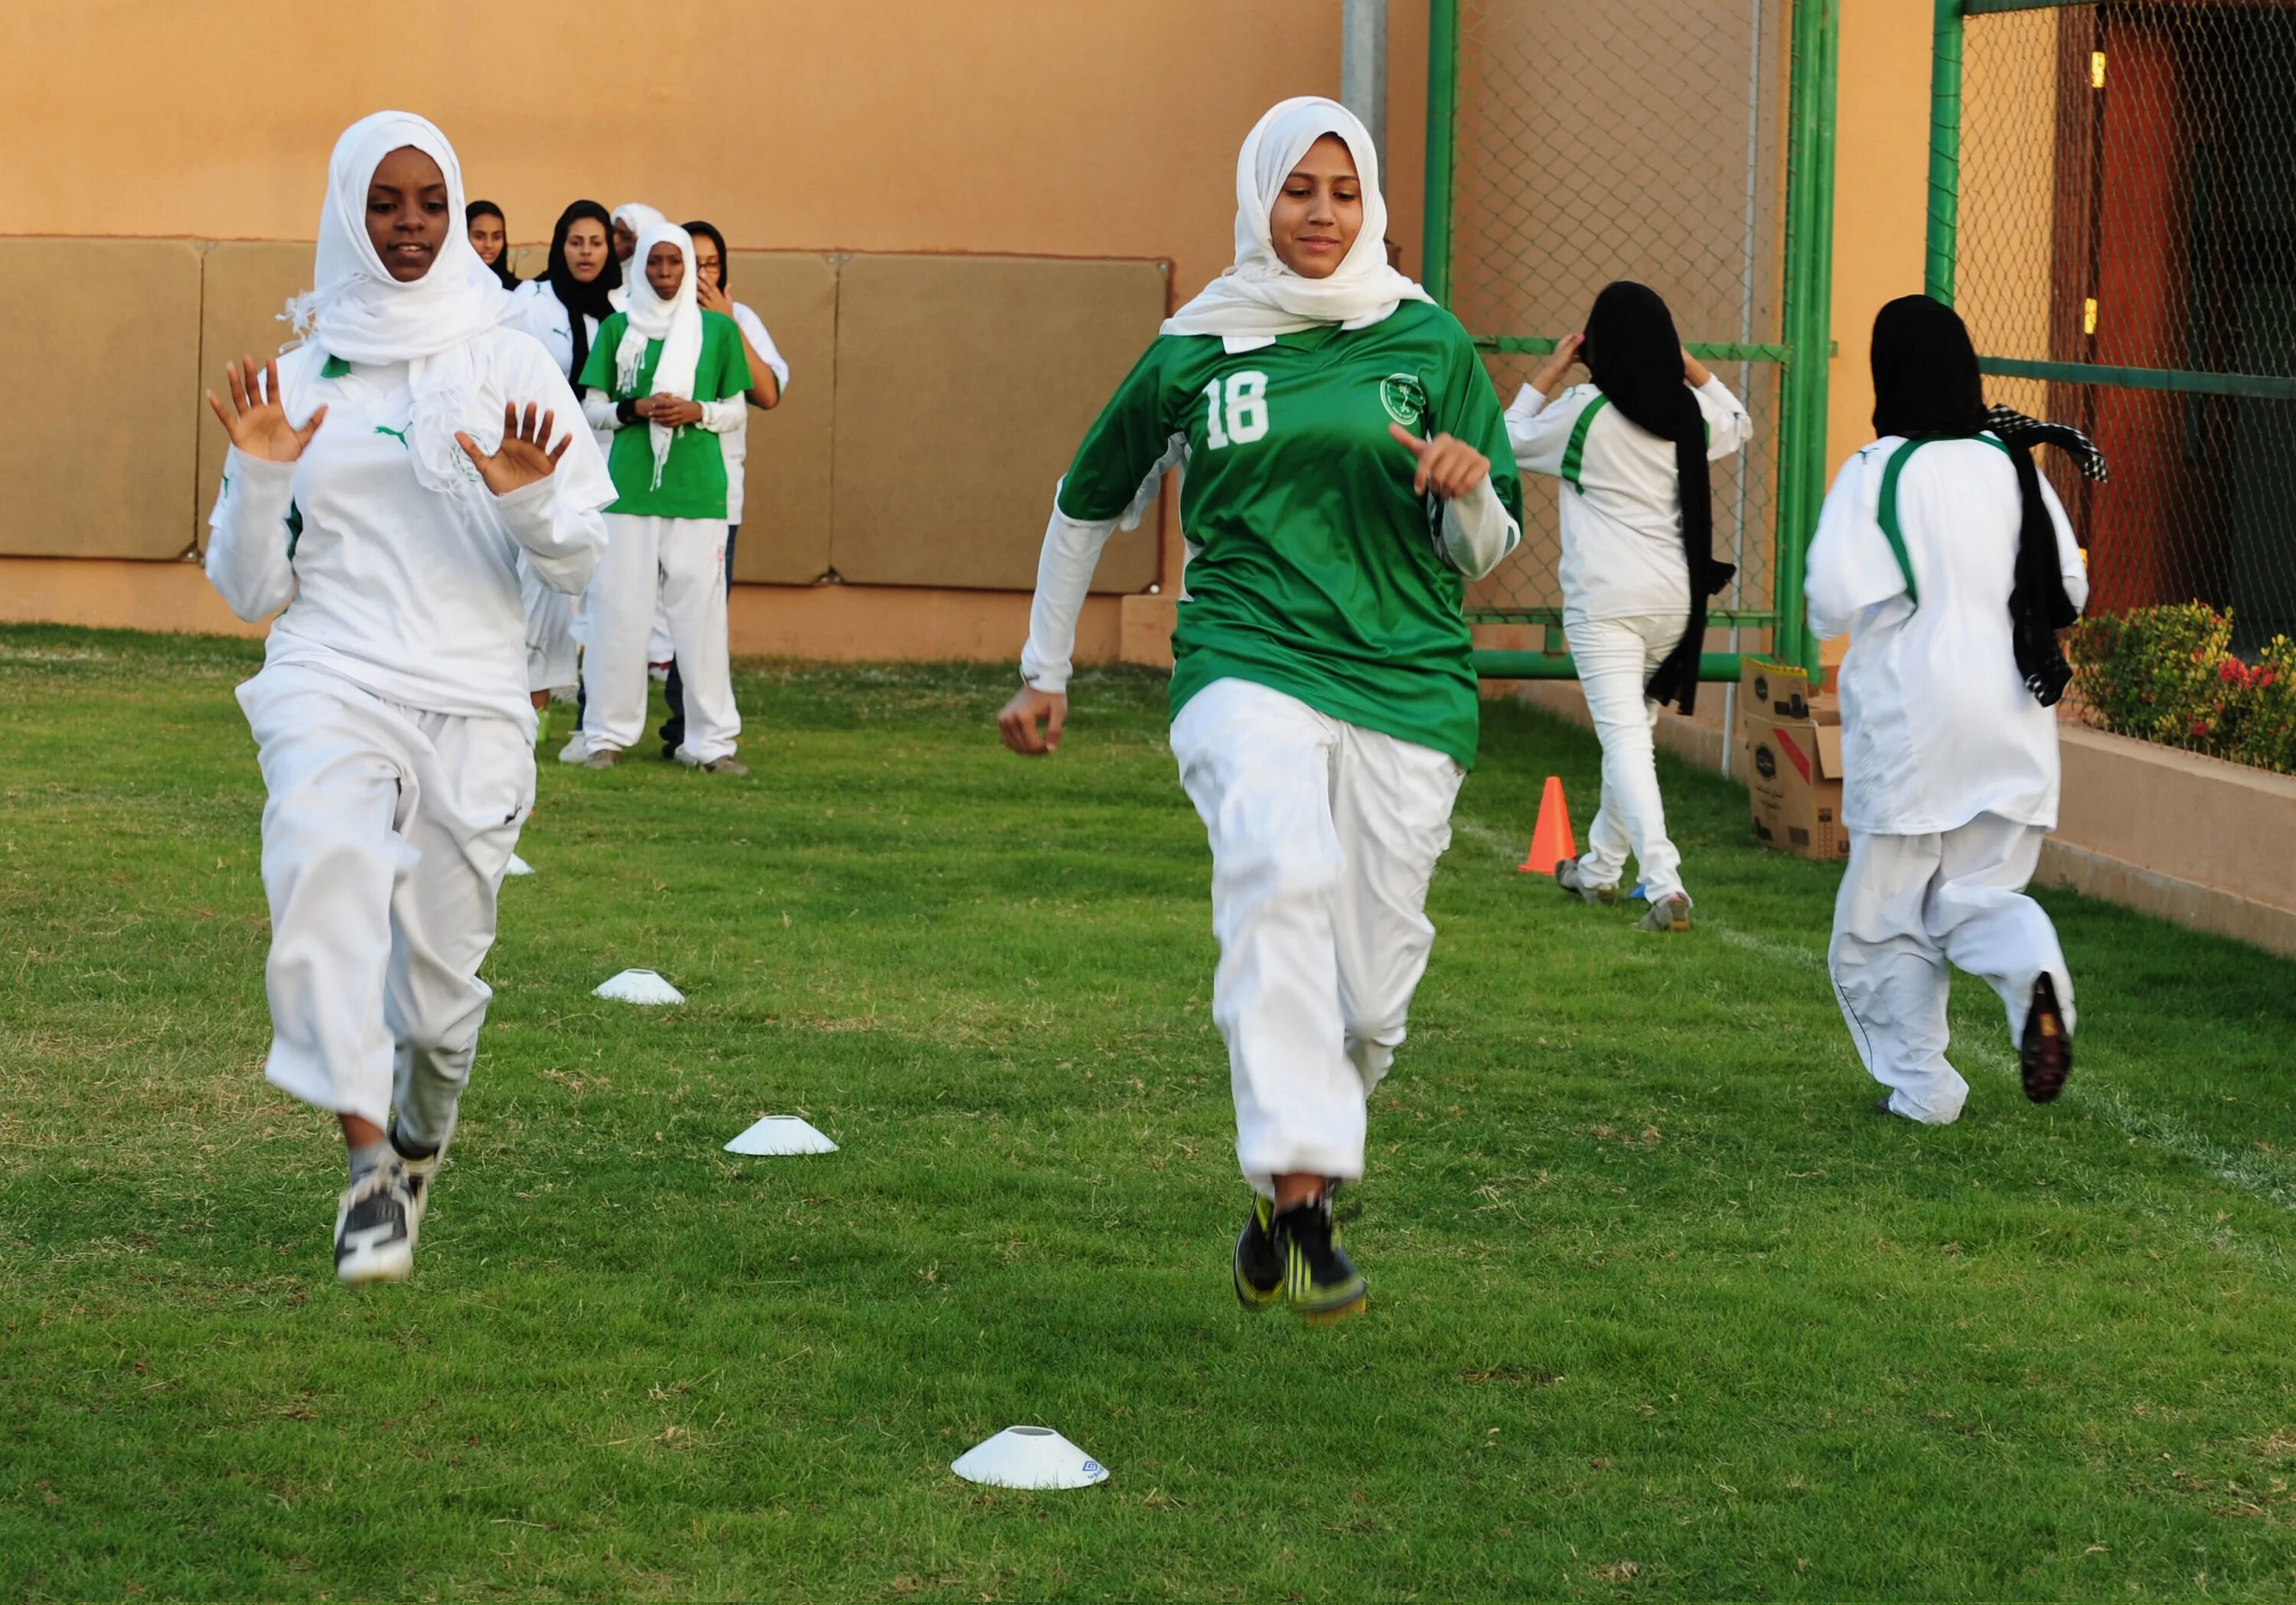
(1312, 566)
(693, 479)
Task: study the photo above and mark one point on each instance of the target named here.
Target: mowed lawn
(1659, 1308)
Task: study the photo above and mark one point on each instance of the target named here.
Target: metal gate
(2113, 208)
(1687, 144)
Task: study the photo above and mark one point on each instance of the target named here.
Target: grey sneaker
(374, 1226)
(1665, 913)
(725, 765)
(1571, 877)
(602, 757)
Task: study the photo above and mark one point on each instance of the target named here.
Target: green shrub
(2168, 675)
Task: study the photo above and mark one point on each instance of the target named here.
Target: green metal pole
(1820, 311)
(1492, 663)
(1945, 151)
(1443, 119)
(1802, 123)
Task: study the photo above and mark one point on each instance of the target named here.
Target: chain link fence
(1632, 139)
(2118, 191)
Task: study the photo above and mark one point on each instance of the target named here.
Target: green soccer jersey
(693, 479)
(1312, 566)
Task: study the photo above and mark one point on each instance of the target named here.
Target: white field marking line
(2236, 1170)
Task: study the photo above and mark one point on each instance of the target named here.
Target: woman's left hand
(669, 410)
(525, 454)
(1447, 465)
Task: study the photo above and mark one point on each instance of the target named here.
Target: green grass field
(1659, 1308)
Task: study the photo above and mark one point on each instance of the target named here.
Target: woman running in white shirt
(1949, 562)
(1631, 450)
(385, 478)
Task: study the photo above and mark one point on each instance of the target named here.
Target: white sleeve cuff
(1477, 532)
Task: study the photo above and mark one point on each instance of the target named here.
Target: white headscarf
(676, 323)
(359, 313)
(1260, 297)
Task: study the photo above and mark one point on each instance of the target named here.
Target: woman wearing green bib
(1347, 471)
(669, 377)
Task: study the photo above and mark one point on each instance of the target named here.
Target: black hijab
(699, 227)
(1926, 387)
(583, 300)
(477, 209)
(1636, 359)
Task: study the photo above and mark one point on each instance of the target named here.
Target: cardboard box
(1794, 778)
(1772, 690)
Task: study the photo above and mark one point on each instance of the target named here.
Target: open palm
(525, 454)
(256, 420)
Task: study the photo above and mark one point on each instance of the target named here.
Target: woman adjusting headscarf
(1346, 473)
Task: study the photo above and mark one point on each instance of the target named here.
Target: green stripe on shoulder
(1574, 453)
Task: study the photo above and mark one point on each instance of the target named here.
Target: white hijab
(359, 313)
(676, 323)
(1260, 297)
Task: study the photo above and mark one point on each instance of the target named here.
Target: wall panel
(244, 286)
(785, 522)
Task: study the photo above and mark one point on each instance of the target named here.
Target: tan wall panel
(963, 384)
(785, 516)
(244, 286)
(107, 470)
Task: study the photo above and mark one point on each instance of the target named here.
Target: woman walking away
(1949, 561)
(381, 477)
(670, 377)
(1631, 450)
(772, 375)
(1347, 471)
(562, 309)
(482, 220)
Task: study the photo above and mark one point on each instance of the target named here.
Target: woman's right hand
(1017, 721)
(256, 422)
(1548, 378)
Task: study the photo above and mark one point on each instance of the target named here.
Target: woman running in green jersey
(1347, 471)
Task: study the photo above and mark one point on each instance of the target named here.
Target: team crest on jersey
(1404, 397)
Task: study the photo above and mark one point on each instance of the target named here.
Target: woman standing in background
(482, 220)
(562, 309)
(772, 375)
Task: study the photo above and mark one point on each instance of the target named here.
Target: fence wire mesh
(1637, 139)
(2126, 258)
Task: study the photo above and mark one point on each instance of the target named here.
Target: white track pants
(684, 561)
(1324, 839)
(1908, 906)
(1615, 657)
(384, 840)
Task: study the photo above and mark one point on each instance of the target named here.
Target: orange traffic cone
(1550, 841)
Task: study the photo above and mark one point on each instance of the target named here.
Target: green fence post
(1820, 310)
(1805, 344)
(1945, 151)
(1442, 129)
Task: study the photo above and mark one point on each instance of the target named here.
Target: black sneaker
(374, 1226)
(1319, 1279)
(1259, 1258)
(2046, 1057)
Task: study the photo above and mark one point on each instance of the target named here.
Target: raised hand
(525, 454)
(1548, 377)
(712, 299)
(1447, 465)
(256, 422)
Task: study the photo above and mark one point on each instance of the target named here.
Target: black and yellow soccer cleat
(2045, 1057)
(1319, 1279)
(1258, 1259)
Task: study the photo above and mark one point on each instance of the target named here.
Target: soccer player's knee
(1283, 867)
(327, 848)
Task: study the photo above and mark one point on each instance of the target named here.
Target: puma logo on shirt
(397, 434)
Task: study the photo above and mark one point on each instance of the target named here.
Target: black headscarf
(1636, 359)
(583, 300)
(477, 209)
(699, 227)
(1926, 387)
